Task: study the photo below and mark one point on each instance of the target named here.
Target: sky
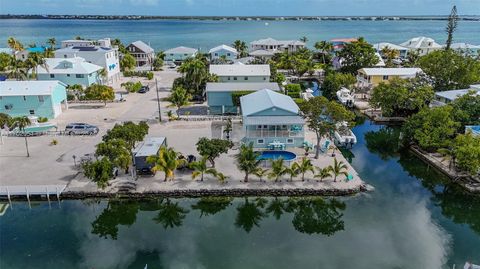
(240, 7)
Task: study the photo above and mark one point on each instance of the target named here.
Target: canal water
(413, 219)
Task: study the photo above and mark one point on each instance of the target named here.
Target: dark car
(144, 89)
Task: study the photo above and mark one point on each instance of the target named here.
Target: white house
(423, 45)
(445, 97)
(371, 77)
(70, 71)
(224, 51)
(104, 42)
(273, 45)
(101, 56)
(466, 48)
(143, 53)
(180, 54)
(241, 72)
(380, 46)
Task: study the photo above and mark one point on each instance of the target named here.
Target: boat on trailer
(345, 96)
(343, 136)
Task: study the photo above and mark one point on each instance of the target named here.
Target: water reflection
(384, 142)
(312, 215)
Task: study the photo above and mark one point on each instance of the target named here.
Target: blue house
(241, 72)
(33, 98)
(70, 71)
(180, 54)
(223, 51)
(219, 95)
(271, 119)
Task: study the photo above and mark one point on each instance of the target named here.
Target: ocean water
(414, 219)
(164, 34)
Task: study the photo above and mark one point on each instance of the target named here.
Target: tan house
(371, 77)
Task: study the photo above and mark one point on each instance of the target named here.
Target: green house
(33, 98)
(271, 119)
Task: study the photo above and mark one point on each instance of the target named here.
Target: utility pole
(158, 102)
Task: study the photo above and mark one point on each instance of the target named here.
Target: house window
(265, 126)
(216, 54)
(52, 75)
(41, 99)
(64, 55)
(385, 77)
(32, 112)
(228, 78)
(8, 107)
(68, 75)
(260, 141)
(228, 54)
(246, 78)
(264, 78)
(24, 98)
(79, 75)
(234, 78)
(289, 140)
(259, 126)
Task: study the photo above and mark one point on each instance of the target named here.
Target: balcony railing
(273, 133)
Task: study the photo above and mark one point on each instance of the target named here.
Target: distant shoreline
(241, 18)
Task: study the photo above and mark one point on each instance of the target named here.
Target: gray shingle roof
(142, 46)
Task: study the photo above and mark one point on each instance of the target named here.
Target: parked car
(170, 64)
(144, 89)
(81, 129)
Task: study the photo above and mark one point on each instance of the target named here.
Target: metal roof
(223, 47)
(420, 42)
(277, 120)
(271, 41)
(391, 71)
(381, 45)
(262, 52)
(240, 70)
(28, 87)
(150, 146)
(75, 65)
(142, 46)
(241, 86)
(181, 50)
(266, 99)
(454, 94)
(77, 49)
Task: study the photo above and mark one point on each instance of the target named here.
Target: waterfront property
(23, 55)
(371, 77)
(241, 72)
(143, 53)
(339, 43)
(445, 97)
(38, 98)
(180, 54)
(219, 95)
(223, 51)
(271, 120)
(69, 71)
(104, 42)
(422, 45)
(274, 46)
(403, 51)
(101, 56)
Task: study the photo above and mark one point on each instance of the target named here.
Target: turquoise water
(414, 219)
(163, 34)
(277, 154)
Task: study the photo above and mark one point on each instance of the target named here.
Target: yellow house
(371, 77)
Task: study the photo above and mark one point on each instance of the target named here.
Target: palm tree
(222, 178)
(166, 161)
(278, 169)
(260, 173)
(170, 214)
(304, 166)
(390, 55)
(228, 128)
(323, 173)
(292, 171)
(250, 214)
(241, 47)
(304, 39)
(338, 168)
(247, 160)
(35, 59)
(200, 169)
(102, 75)
(325, 47)
(276, 207)
(14, 44)
(52, 42)
(16, 69)
(195, 73)
(21, 123)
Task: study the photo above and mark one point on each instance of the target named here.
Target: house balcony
(274, 133)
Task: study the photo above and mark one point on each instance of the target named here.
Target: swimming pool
(277, 154)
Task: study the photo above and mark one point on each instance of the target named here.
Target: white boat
(469, 265)
(346, 97)
(343, 136)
